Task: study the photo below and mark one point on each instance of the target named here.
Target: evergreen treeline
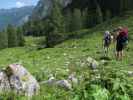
(11, 37)
(80, 14)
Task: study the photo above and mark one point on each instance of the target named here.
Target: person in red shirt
(121, 39)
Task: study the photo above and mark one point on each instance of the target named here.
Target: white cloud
(19, 4)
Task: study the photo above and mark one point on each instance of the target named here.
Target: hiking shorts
(106, 44)
(119, 47)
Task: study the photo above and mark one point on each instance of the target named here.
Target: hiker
(106, 42)
(115, 34)
(121, 42)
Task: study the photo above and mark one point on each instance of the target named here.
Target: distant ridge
(14, 16)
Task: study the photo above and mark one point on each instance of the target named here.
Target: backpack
(125, 37)
(124, 41)
(108, 39)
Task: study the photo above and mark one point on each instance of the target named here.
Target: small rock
(130, 73)
(92, 63)
(82, 64)
(64, 84)
(104, 62)
(73, 79)
(89, 60)
(50, 81)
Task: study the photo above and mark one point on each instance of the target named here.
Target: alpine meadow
(67, 50)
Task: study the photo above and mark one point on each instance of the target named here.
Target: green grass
(67, 57)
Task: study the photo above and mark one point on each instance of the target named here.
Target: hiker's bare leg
(104, 50)
(107, 50)
(118, 56)
(121, 55)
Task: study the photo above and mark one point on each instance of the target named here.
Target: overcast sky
(6, 4)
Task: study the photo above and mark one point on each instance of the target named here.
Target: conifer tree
(20, 37)
(3, 40)
(56, 26)
(98, 12)
(76, 20)
(12, 36)
(86, 18)
(57, 18)
(108, 15)
(68, 21)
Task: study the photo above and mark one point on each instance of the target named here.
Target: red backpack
(124, 32)
(124, 36)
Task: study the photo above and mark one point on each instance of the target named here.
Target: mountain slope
(70, 56)
(107, 8)
(43, 8)
(14, 16)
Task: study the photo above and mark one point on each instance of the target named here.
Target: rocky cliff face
(43, 8)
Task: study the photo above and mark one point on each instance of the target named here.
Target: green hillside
(68, 56)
